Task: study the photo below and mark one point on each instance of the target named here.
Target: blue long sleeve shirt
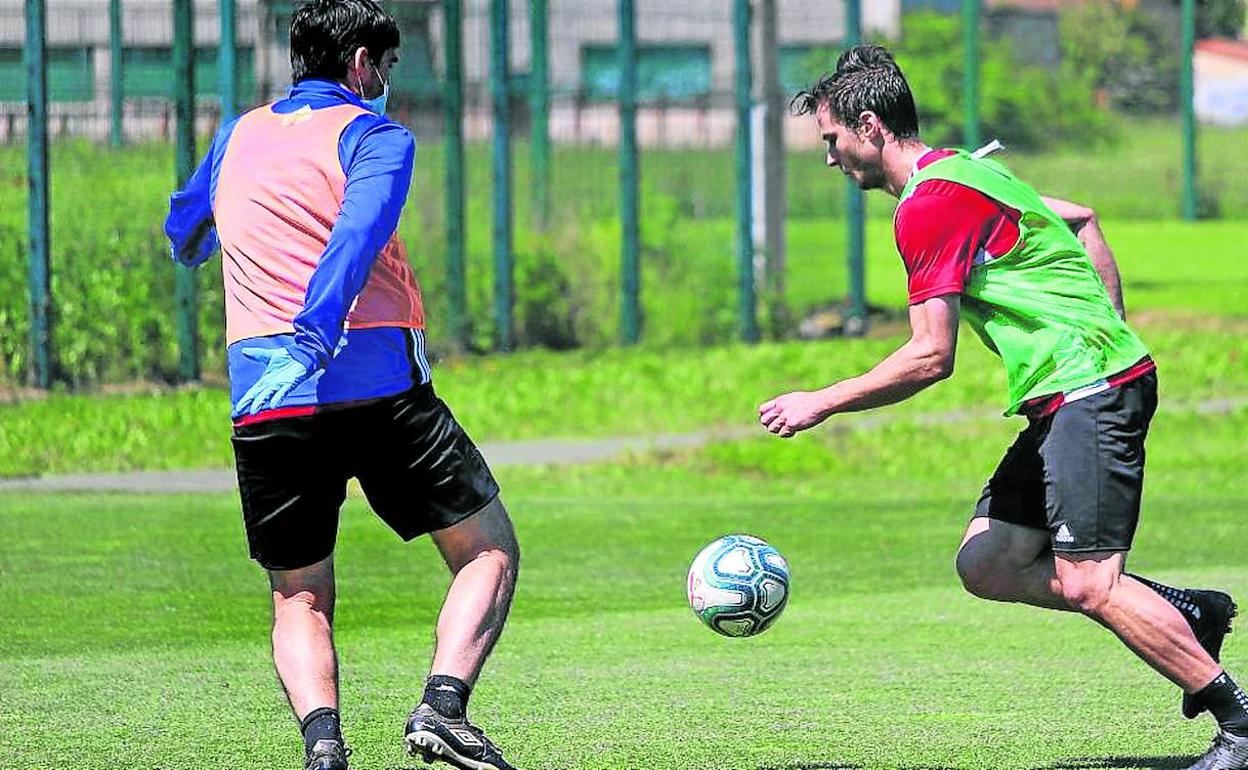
(377, 156)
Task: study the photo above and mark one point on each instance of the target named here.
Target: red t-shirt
(944, 228)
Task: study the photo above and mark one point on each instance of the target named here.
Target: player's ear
(869, 125)
(358, 62)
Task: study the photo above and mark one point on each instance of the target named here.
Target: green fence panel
(148, 72)
(669, 72)
(413, 77)
(71, 75)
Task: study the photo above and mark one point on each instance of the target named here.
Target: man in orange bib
(328, 375)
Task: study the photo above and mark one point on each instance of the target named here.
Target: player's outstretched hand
(786, 415)
(282, 374)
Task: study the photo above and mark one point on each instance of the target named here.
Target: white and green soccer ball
(738, 585)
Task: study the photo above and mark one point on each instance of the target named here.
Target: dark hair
(325, 33)
(866, 78)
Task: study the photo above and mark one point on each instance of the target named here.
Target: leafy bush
(1126, 53)
(1220, 18)
(112, 281)
(1024, 105)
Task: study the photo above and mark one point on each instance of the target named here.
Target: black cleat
(1228, 752)
(327, 755)
(1215, 610)
(456, 742)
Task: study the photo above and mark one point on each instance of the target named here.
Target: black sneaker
(453, 741)
(1228, 752)
(1215, 610)
(327, 755)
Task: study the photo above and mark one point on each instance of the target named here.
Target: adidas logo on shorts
(1063, 535)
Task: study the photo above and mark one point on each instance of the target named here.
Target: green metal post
(630, 246)
(970, 72)
(504, 268)
(1187, 106)
(748, 301)
(116, 96)
(227, 60)
(855, 211)
(39, 273)
(453, 114)
(539, 109)
(184, 166)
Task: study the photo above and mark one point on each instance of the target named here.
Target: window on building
(71, 75)
(664, 72)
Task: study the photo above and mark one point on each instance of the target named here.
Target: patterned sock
(1228, 704)
(1180, 598)
(319, 725)
(447, 695)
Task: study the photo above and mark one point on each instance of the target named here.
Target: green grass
(538, 394)
(1186, 290)
(135, 631)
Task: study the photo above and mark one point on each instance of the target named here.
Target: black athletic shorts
(1079, 472)
(416, 465)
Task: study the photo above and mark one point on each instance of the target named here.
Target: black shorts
(416, 465)
(1079, 472)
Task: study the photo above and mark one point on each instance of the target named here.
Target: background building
(684, 50)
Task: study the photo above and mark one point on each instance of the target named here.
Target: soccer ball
(738, 585)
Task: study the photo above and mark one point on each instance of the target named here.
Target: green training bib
(1041, 307)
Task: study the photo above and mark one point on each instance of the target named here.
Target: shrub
(1126, 53)
(1025, 106)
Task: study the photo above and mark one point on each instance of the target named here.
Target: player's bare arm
(1087, 228)
(926, 358)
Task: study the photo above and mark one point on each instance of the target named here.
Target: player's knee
(980, 574)
(1087, 593)
(508, 557)
(303, 600)
(502, 555)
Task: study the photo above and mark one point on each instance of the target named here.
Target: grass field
(135, 631)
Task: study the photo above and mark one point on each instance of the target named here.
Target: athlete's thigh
(1094, 468)
(1003, 543)
(489, 529)
(1015, 494)
(292, 480)
(417, 466)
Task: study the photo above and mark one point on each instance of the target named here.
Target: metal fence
(537, 110)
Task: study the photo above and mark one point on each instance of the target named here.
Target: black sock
(1228, 704)
(1180, 598)
(319, 725)
(447, 695)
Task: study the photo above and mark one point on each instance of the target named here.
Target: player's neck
(900, 161)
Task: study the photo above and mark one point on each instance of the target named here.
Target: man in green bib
(1036, 281)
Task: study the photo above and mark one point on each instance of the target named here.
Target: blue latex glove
(282, 374)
